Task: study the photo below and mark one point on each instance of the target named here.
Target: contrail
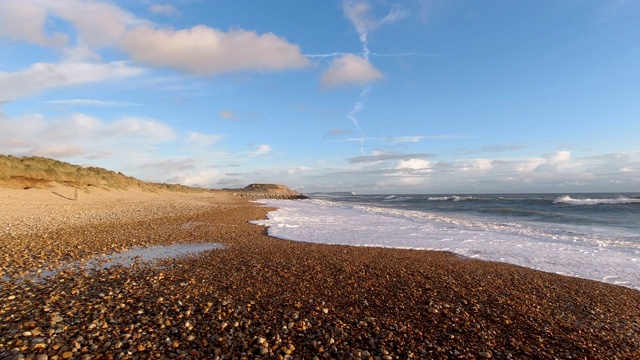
(357, 107)
(409, 54)
(355, 13)
(366, 55)
(333, 54)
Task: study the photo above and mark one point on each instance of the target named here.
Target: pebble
(260, 299)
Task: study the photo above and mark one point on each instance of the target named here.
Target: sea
(591, 236)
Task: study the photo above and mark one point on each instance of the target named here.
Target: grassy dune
(40, 172)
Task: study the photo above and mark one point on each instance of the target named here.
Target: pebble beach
(257, 297)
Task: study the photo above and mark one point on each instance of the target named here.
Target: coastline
(262, 297)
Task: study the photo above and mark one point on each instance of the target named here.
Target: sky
(369, 96)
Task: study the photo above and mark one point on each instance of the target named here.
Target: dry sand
(261, 297)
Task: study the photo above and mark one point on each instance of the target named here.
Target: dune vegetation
(39, 172)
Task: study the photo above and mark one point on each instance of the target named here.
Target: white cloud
(79, 134)
(403, 139)
(58, 151)
(379, 156)
(44, 76)
(203, 50)
(357, 12)
(198, 50)
(474, 165)
(261, 150)
(23, 20)
(89, 102)
(414, 164)
(558, 158)
(142, 128)
(397, 13)
(202, 140)
(203, 178)
(164, 9)
(299, 170)
(350, 70)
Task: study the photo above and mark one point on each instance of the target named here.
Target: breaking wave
(566, 199)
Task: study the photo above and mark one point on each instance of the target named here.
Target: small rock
(485, 354)
(42, 357)
(67, 354)
(38, 347)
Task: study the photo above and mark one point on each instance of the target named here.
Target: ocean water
(592, 236)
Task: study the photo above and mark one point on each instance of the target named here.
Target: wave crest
(566, 199)
(451, 198)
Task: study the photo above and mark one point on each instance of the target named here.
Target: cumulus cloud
(22, 20)
(44, 76)
(350, 70)
(203, 50)
(197, 50)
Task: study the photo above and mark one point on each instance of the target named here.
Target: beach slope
(260, 297)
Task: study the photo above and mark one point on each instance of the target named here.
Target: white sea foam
(566, 199)
(451, 198)
(397, 198)
(562, 250)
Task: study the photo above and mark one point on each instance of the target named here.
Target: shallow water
(127, 258)
(592, 236)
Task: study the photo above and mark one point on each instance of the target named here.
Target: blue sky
(368, 96)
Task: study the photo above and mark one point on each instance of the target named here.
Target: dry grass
(40, 172)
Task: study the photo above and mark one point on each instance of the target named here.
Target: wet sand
(261, 297)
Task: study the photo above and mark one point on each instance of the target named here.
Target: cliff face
(267, 191)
